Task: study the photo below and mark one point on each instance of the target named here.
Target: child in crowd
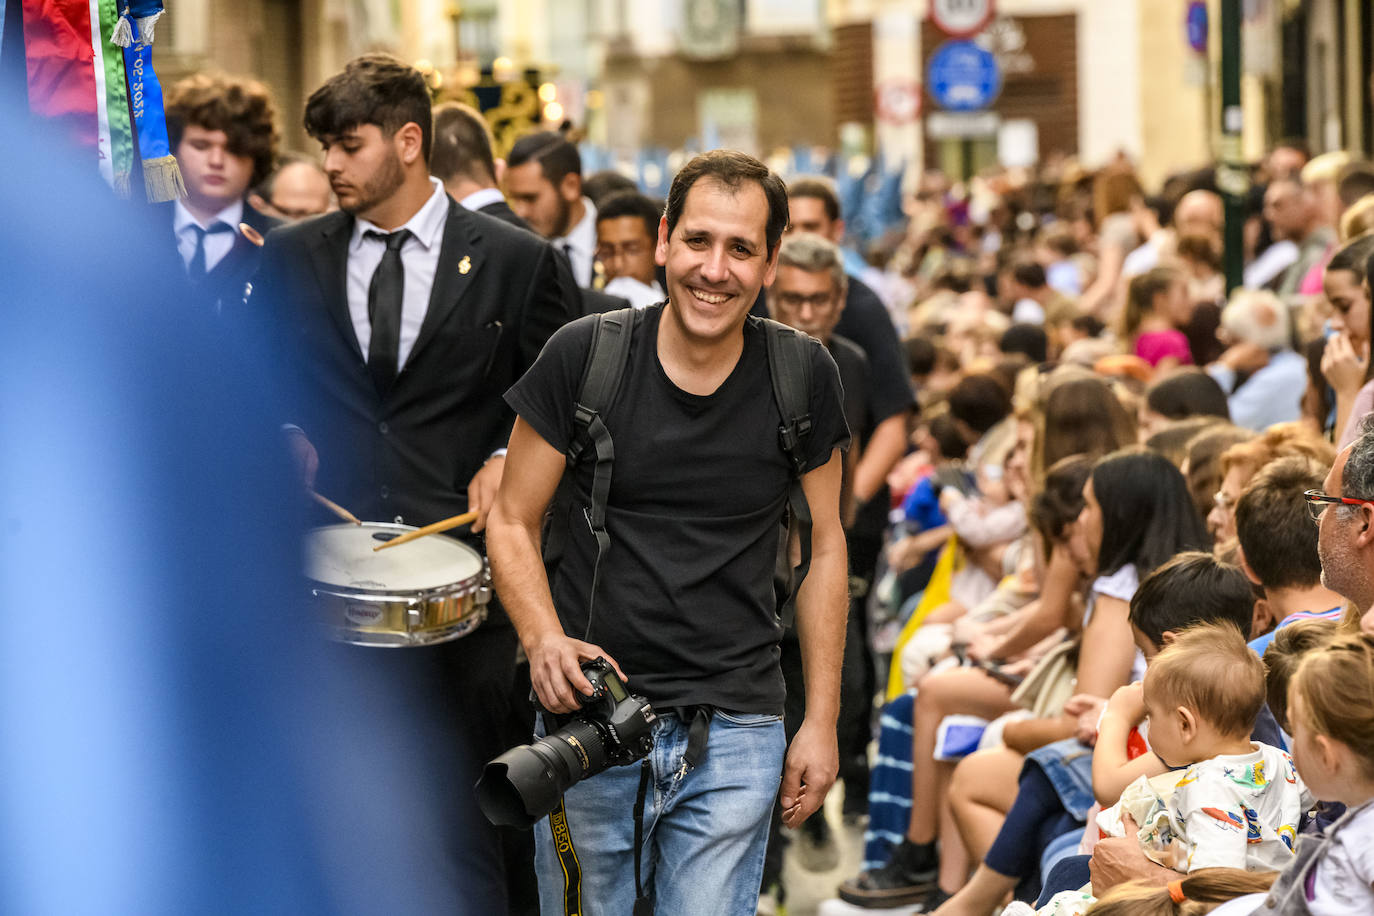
(1226, 801)
(1331, 712)
(1157, 305)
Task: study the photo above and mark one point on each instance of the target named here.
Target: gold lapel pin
(251, 234)
(465, 265)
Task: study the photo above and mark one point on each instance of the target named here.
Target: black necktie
(384, 309)
(196, 269)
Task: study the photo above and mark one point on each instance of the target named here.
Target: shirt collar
(427, 225)
(182, 219)
(582, 237)
(479, 199)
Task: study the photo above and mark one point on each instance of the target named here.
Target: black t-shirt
(866, 322)
(699, 485)
(857, 381)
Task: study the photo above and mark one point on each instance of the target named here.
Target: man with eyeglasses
(626, 234)
(1344, 510)
(808, 294)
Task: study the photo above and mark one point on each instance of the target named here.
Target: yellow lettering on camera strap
(567, 858)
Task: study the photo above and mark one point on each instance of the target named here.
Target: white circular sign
(961, 18)
(898, 101)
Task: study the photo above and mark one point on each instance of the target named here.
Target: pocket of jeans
(748, 719)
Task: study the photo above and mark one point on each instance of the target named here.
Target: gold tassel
(121, 185)
(162, 179)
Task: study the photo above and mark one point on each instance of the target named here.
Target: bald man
(1198, 212)
(298, 188)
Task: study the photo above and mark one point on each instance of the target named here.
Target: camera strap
(644, 904)
(698, 733)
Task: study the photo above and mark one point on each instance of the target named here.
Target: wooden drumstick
(337, 509)
(435, 528)
(253, 236)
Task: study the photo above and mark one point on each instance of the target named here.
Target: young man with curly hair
(224, 135)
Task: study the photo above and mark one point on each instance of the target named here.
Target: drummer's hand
(556, 670)
(482, 490)
(303, 455)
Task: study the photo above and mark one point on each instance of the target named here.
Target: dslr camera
(613, 728)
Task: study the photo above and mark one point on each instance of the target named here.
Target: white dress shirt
(420, 258)
(479, 199)
(580, 244)
(217, 244)
(640, 295)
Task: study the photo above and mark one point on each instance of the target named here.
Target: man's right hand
(303, 455)
(556, 670)
(1117, 860)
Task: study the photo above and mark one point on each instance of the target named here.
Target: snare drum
(428, 591)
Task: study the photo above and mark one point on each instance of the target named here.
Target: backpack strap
(606, 361)
(789, 366)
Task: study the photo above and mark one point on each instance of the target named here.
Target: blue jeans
(704, 833)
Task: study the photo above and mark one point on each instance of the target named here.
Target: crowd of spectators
(1110, 490)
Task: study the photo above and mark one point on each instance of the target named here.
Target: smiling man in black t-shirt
(685, 606)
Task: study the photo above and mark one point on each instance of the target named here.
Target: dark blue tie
(384, 309)
(196, 269)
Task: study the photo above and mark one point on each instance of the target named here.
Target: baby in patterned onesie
(1226, 801)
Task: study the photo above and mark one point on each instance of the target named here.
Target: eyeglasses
(797, 300)
(1317, 501)
(606, 251)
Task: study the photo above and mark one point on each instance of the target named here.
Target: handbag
(1051, 682)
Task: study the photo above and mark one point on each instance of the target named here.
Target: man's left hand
(813, 762)
(482, 490)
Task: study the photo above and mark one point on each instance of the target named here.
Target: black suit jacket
(225, 287)
(411, 452)
(589, 301)
(502, 211)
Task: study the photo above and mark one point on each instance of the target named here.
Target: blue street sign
(1195, 21)
(963, 77)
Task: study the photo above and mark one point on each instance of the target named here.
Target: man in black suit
(463, 159)
(407, 316)
(223, 134)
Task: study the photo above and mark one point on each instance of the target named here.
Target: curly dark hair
(239, 106)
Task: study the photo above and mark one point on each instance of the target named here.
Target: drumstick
(253, 236)
(435, 528)
(337, 509)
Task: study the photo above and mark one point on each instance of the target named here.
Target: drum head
(342, 556)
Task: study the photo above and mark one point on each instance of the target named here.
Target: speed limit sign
(961, 18)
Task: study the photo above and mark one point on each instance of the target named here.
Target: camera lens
(525, 783)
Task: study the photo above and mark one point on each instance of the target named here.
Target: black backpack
(789, 366)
